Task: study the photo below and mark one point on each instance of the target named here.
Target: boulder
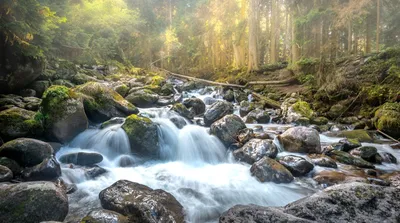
(258, 116)
(296, 111)
(82, 158)
(32, 202)
(188, 86)
(216, 111)
(227, 128)
(179, 122)
(368, 153)
(112, 122)
(196, 105)
(143, 98)
(267, 169)
(358, 134)
(182, 111)
(319, 121)
(32, 103)
(387, 158)
(65, 83)
(322, 160)
(245, 135)
(40, 87)
(229, 96)
(346, 158)
(335, 111)
(301, 140)
(26, 152)
(167, 89)
(5, 174)
(141, 203)
(12, 165)
(103, 103)
(387, 119)
(297, 165)
(245, 108)
(259, 214)
(142, 134)
(256, 149)
(349, 144)
(121, 89)
(104, 216)
(353, 202)
(63, 113)
(17, 122)
(94, 172)
(49, 169)
(332, 177)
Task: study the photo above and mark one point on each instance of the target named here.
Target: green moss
(122, 89)
(319, 121)
(136, 126)
(359, 134)
(153, 88)
(157, 80)
(387, 119)
(19, 121)
(303, 108)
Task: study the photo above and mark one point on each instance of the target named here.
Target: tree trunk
(295, 46)
(378, 21)
(349, 37)
(253, 23)
(368, 35)
(273, 32)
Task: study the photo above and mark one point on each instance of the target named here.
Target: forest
(119, 111)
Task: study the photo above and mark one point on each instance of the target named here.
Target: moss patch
(303, 108)
(359, 134)
(387, 119)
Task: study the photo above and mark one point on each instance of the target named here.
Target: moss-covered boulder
(103, 103)
(26, 152)
(358, 134)
(335, 111)
(157, 80)
(63, 82)
(347, 158)
(319, 121)
(142, 133)
(387, 119)
(295, 110)
(63, 114)
(143, 98)
(167, 89)
(17, 122)
(258, 115)
(182, 111)
(227, 128)
(269, 170)
(122, 89)
(32, 202)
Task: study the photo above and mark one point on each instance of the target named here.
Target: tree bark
(253, 23)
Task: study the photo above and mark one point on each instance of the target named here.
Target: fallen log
(269, 102)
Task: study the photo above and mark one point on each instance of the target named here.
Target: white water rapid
(195, 167)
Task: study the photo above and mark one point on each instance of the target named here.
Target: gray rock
(227, 128)
(267, 169)
(216, 111)
(140, 203)
(5, 174)
(12, 165)
(143, 98)
(32, 202)
(353, 202)
(28, 93)
(258, 214)
(105, 216)
(196, 105)
(26, 152)
(256, 149)
(301, 140)
(258, 116)
(297, 165)
(82, 158)
(346, 158)
(322, 160)
(40, 87)
(182, 111)
(49, 169)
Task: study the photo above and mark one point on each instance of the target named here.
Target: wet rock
(94, 172)
(393, 178)
(105, 216)
(12, 165)
(256, 149)
(17, 122)
(49, 170)
(182, 111)
(103, 103)
(126, 161)
(26, 152)
(65, 83)
(141, 203)
(142, 134)
(349, 144)
(259, 214)
(56, 146)
(319, 121)
(267, 169)
(359, 134)
(297, 165)
(229, 96)
(353, 202)
(301, 140)
(387, 119)
(121, 89)
(332, 177)
(32, 202)
(368, 153)
(240, 96)
(188, 86)
(167, 89)
(227, 128)
(387, 158)
(295, 110)
(216, 111)
(245, 135)
(40, 87)
(178, 122)
(82, 158)
(346, 158)
(258, 116)
(5, 174)
(32, 103)
(64, 112)
(111, 122)
(335, 111)
(322, 160)
(143, 98)
(209, 100)
(245, 108)
(196, 105)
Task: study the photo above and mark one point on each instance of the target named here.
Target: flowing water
(195, 167)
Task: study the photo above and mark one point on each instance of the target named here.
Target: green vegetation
(303, 108)
(387, 119)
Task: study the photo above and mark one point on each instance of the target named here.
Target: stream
(195, 168)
